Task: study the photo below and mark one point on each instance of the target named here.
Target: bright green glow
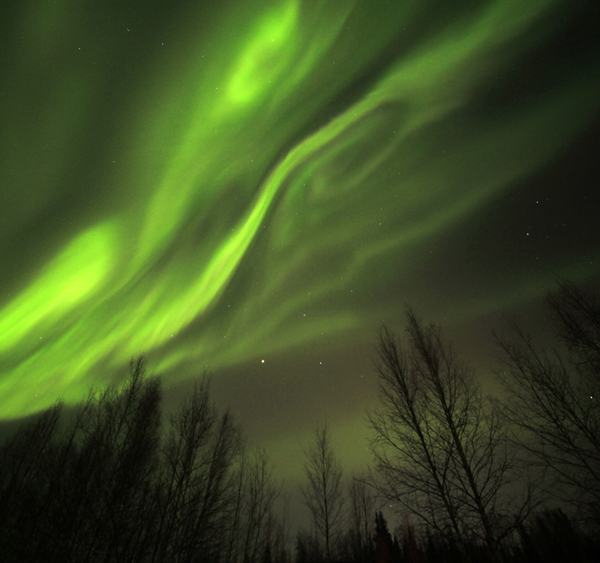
(63, 283)
(264, 59)
(251, 189)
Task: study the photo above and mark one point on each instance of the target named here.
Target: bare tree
(576, 314)
(553, 398)
(251, 523)
(308, 549)
(23, 483)
(280, 532)
(323, 494)
(85, 483)
(440, 446)
(196, 486)
(362, 511)
(108, 485)
(261, 493)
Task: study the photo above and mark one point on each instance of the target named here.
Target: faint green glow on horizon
(232, 162)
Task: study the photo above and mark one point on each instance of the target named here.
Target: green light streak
(245, 200)
(265, 58)
(65, 282)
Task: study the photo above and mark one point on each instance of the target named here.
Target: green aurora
(219, 183)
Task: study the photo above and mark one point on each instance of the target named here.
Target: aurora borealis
(255, 186)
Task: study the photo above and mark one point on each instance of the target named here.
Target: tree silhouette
(113, 483)
(385, 548)
(87, 482)
(553, 398)
(440, 446)
(323, 494)
(362, 508)
(23, 484)
(195, 489)
(115, 480)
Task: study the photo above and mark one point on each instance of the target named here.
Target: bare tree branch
(323, 493)
(441, 447)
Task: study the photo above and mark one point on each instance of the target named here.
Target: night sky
(254, 186)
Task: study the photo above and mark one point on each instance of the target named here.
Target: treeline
(549, 537)
(121, 482)
(472, 478)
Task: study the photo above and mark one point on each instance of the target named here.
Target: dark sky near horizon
(254, 186)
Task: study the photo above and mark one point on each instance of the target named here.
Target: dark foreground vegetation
(119, 482)
(469, 477)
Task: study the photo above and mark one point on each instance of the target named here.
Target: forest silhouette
(473, 478)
